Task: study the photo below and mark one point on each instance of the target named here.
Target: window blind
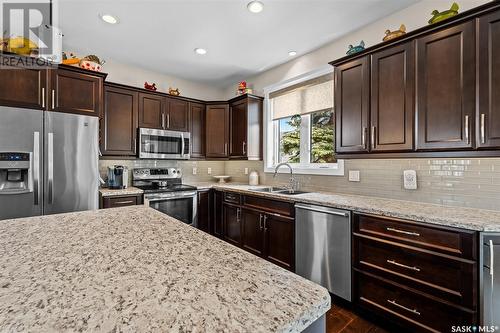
(307, 97)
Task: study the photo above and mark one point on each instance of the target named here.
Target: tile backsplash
(456, 182)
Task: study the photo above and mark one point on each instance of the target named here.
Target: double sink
(277, 190)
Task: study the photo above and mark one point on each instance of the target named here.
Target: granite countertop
(133, 269)
(106, 192)
(466, 218)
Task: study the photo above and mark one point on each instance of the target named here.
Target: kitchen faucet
(292, 186)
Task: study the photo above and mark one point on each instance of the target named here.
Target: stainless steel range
(164, 191)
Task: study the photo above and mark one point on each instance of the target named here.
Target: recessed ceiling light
(292, 53)
(109, 18)
(255, 6)
(200, 51)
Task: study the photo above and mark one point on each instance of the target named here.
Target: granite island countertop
(133, 269)
(459, 217)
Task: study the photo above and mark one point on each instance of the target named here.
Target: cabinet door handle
(393, 302)
(53, 99)
(244, 147)
(403, 231)
(363, 137)
(373, 137)
(467, 129)
(238, 214)
(483, 135)
(265, 223)
(394, 262)
(260, 222)
(43, 98)
(225, 148)
(168, 120)
(163, 120)
(124, 202)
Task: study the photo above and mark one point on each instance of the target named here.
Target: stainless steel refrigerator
(48, 162)
(490, 279)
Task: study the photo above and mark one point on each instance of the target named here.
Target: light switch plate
(246, 171)
(354, 175)
(195, 170)
(410, 179)
(209, 171)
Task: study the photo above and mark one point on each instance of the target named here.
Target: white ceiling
(161, 35)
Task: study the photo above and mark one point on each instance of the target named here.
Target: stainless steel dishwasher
(323, 247)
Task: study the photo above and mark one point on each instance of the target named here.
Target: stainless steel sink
(278, 190)
(268, 189)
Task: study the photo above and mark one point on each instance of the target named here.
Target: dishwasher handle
(322, 210)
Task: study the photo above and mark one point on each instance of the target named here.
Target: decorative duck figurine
(356, 49)
(174, 92)
(439, 16)
(150, 86)
(394, 34)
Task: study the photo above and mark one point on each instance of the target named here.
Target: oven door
(161, 144)
(181, 206)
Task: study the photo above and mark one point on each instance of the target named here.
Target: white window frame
(271, 133)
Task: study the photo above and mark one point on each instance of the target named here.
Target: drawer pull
(124, 202)
(413, 268)
(393, 302)
(403, 232)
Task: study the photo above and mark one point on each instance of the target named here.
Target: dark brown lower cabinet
(232, 224)
(217, 215)
(422, 277)
(253, 231)
(261, 226)
(280, 240)
(204, 210)
(121, 201)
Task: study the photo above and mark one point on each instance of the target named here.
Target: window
(301, 125)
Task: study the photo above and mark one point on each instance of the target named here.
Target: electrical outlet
(195, 170)
(410, 179)
(209, 171)
(354, 175)
(246, 171)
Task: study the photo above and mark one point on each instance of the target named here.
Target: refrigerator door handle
(36, 167)
(492, 258)
(50, 167)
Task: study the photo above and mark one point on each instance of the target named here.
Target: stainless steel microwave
(162, 144)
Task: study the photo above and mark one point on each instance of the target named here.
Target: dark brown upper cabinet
(177, 115)
(23, 88)
(392, 102)
(217, 131)
(352, 102)
(62, 89)
(151, 111)
(119, 121)
(75, 92)
(446, 88)
(197, 130)
(245, 127)
(488, 118)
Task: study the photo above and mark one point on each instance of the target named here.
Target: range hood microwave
(162, 144)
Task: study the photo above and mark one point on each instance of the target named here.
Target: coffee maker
(117, 177)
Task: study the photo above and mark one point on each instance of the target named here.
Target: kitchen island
(135, 269)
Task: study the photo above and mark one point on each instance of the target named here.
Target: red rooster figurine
(150, 86)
